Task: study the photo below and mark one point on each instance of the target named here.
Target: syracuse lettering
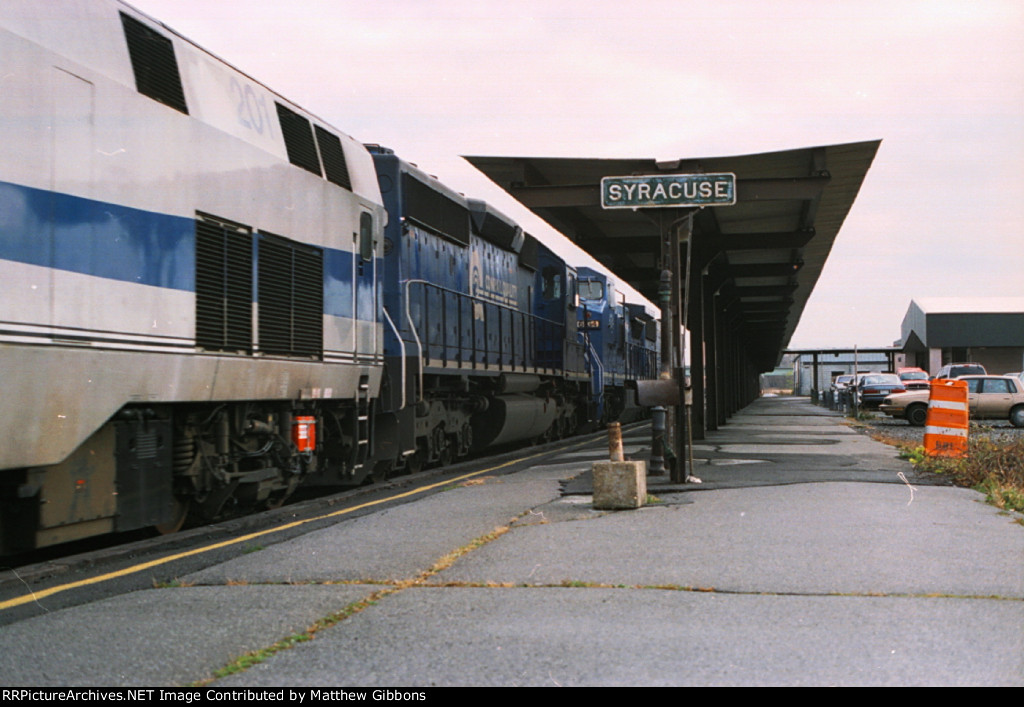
(673, 190)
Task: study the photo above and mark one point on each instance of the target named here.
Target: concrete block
(619, 485)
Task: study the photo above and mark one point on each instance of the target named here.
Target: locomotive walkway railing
(401, 344)
(457, 330)
(641, 363)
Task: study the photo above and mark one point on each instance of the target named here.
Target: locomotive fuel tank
(513, 418)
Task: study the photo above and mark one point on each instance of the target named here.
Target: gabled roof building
(988, 330)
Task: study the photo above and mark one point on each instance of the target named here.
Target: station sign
(668, 190)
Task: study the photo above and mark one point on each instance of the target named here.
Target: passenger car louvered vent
(291, 299)
(435, 210)
(334, 158)
(223, 286)
(298, 140)
(154, 64)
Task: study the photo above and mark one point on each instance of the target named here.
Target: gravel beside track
(901, 432)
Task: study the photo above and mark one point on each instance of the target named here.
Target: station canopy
(762, 256)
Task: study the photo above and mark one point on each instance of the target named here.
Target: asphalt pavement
(809, 554)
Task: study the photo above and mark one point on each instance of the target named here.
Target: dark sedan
(872, 388)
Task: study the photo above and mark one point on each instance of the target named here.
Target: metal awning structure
(747, 270)
(767, 250)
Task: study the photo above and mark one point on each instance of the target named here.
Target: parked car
(840, 383)
(912, 406)
(872, 388)
(958, 370)
(988, 398)
(913, 378)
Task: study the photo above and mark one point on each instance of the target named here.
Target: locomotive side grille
(274, 288)
(333, 155)
(290, 298)
(223, 287)
(435, 210)
(154, 64)
(298, 140)
(309, 302)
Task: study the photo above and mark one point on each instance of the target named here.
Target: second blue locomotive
(480, 339)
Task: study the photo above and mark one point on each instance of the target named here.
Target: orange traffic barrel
(945, 432)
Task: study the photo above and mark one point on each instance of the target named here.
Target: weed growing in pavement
(171, 583)
(996, 470)
(246, 661)
(914, 455)
(449, 559)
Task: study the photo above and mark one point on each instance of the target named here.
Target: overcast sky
(940, 213)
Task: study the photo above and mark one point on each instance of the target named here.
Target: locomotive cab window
(591, 290)
(365, 237)
(552, 284)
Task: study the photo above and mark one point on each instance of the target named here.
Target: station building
(988, 330)
(815, 371)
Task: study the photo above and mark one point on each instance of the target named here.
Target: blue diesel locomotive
(480, 346)
(212, 296)
(623, 341)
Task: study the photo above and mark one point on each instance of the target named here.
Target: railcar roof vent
(528, 254)
(154, 64)
(298, 140)
(334, 158)
(435, 210)
(495, 226)
(638, 311)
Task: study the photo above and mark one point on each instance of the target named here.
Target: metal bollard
(657, 441)
(615, 452)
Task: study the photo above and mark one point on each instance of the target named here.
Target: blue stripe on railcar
(80, 235)
(338, 283)
(75, 234)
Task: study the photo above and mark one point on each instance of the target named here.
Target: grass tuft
(996, 470)
(171, 583)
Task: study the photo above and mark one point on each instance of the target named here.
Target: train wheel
(442, 451)
(382, 471)
(415, 462)
(180, 513)
(445, 456)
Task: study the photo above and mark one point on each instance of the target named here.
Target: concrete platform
(810, 555)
